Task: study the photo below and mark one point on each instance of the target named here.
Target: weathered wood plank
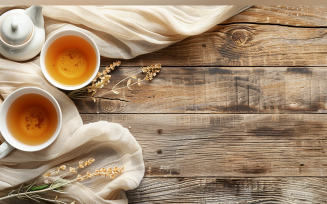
(217, 90)
(298, 15)
(234, 145)
(243, 45)
(230, 190)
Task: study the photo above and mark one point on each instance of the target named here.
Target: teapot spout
(35, 13)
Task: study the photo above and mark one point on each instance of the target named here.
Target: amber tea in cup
(70, 60)
(32, 119)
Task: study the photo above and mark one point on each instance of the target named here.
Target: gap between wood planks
(231, 177)
(210, 66)
(271, 24)
(213, 113)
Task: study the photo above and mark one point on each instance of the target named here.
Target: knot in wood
(240, 37)
(107, 106)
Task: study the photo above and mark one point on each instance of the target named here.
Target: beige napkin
(120, 32)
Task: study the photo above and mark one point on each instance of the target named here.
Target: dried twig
(32, 191)
(103, 78)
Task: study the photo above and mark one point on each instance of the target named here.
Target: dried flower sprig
(99, 81)
(101, 172)
(150, 71)
(103, 78)
(32, 191)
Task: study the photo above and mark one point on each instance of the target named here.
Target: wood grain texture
(230, 190)
(232, 145)
(299, 15)
(217, 90)
(243, 45)
(252, 72)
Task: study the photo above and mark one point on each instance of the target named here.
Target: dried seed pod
(114, 91)
(63, 167)
(129, 82)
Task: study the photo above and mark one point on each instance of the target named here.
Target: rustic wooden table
(237, 114)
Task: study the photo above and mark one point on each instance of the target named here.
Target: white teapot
(22, 33)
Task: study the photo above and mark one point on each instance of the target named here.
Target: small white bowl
(53, 38)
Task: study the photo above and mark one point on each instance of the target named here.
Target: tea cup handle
(5, 149)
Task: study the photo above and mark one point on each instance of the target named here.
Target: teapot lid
(16, 29)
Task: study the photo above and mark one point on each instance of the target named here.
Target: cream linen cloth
(119, 32)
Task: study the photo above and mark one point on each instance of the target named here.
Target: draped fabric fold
(119, 32)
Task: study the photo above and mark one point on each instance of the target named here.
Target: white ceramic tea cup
(11, 143)
(57, 35)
